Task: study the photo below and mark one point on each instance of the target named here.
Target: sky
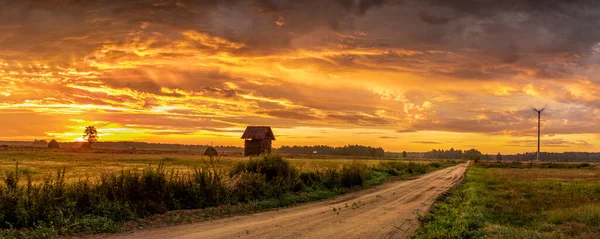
(404, 75)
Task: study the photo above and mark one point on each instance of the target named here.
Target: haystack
(53, 144)
(211, 152)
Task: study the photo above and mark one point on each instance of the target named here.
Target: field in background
(513, 200)
(80, 164)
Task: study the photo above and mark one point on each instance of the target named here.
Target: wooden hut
(257, 140)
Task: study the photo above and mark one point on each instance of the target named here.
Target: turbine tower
(539, 112)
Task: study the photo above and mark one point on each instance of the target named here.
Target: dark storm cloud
(250, 22)
(517, 34)
(489, 7)
(505, 29)
(431, 19)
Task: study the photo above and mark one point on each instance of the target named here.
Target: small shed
(53, 144)
(257, 140)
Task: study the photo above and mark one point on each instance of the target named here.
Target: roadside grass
(561, 201)
(56, 206)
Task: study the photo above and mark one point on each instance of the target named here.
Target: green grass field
(519, 203)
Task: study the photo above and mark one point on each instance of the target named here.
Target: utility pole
(539, 112)
(538, 151)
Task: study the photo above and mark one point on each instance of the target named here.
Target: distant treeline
(155, 146)
(127, 145)
(444, 154)
(348, 150)
(544, 156)
(471, 154)
(557, 157)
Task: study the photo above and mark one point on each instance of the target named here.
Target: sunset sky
(404, 75)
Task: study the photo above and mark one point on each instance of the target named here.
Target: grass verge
(546, 202)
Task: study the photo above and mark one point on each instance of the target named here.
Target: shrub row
(129, 194)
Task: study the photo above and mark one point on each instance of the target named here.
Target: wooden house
(257, 140)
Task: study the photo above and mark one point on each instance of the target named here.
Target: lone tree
(404, 154)
(499, 157)
(91, 135)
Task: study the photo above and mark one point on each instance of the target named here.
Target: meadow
(91, 164)
(47, 193)
(519, 200)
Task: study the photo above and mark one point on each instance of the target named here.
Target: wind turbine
(539, 112)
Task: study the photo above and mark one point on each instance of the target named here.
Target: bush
(353, 174)
(311, 179)
(392, 168)
(251, 187)
(331, 178)
(416, 168)
(272, 166)
(278, 172)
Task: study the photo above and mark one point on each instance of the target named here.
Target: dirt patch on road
(387, 211)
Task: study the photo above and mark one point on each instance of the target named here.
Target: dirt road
(387, 211)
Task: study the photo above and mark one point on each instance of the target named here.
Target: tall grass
(101, 205)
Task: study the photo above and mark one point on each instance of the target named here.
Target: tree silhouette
(404, 154)
(472, 154)
(499, 157)
(91, 135)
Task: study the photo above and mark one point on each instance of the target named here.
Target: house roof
(258, 132)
